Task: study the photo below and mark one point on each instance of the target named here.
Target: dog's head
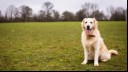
(89, 25)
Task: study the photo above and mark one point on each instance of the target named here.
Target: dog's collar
(91, 35)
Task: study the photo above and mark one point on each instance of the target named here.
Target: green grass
(57, 46)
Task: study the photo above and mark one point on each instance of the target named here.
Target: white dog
(94, 47)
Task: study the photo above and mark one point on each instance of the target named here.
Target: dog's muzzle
(88, 30)
(88, 27)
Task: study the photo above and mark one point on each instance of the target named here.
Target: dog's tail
(113, 52)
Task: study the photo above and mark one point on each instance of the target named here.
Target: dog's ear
(95, 23)
(82, 24)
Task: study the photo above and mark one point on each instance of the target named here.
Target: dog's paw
(96, 64)
(84, 63)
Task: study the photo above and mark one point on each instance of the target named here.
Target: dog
(93, 44)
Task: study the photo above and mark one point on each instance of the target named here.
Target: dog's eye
(85, 22)
(91, 22)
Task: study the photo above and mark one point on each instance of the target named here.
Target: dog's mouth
(88, 31)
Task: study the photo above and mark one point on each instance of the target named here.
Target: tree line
(25, 14)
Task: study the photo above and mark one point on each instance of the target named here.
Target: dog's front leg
(85, 56)
(96, 56)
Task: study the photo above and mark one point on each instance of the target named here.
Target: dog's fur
(93, 44)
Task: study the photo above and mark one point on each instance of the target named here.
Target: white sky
(62, 5)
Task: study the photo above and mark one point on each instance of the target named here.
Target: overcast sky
(62, 5)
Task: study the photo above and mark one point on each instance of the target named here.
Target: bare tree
(26, 12)
(99, 15)
(110, 11)
(120, 9)
(48, 6)
(94, 8)
(17, 13)
(118, 14)
(56, 15)
(80, 15)
(68, 16)
(10, 12)
(42, 15)
(89, 8)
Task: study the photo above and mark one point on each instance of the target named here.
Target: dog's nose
(88, 27)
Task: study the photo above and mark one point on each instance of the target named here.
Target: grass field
(57, 46)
